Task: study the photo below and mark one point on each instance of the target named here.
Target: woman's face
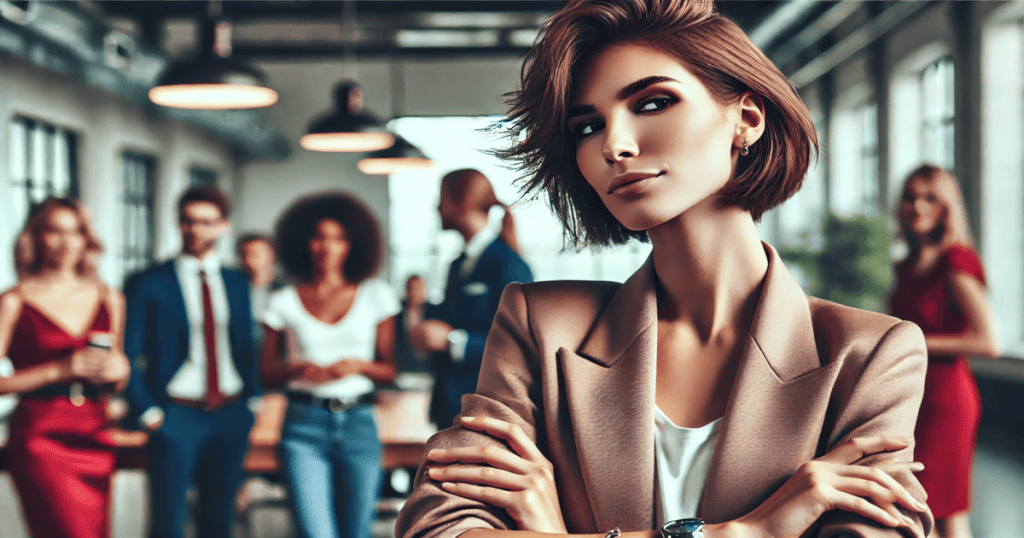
(920, 208)
(329, 246)
(651, 140)
(61, 238)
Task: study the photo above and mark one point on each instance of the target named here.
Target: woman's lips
(631, 184)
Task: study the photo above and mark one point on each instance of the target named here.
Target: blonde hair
(952, 228)
(27, 258)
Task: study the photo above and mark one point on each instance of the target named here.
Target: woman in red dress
(940, 286)
(61, 328)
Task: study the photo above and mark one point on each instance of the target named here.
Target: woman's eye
(655, 104)
(586, 128)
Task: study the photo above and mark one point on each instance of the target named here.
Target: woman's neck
(327, 280)
(57, 275)
(710, 265)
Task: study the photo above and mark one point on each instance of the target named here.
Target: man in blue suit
(189, 335)
(456, 334)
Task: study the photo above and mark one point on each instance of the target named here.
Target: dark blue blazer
(156, 336)
(470, 304)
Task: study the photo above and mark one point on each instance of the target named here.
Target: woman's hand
(835, 482)
(86, 363)
(346, 367)
(522, 483)
(313, 373)
(116, 369)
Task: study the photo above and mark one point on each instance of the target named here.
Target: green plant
(853, 267)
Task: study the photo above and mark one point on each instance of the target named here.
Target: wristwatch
(690, 527)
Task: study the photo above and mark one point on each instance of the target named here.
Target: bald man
(457, 330)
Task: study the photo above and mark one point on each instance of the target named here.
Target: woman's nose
(619, 144)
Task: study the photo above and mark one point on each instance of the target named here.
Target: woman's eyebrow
(625, 93)
(634, 87)
(579, 110)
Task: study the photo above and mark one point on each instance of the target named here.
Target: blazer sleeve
(506, 391)
(882, 396)
(137, 324)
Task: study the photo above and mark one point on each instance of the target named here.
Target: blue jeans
(332, 465)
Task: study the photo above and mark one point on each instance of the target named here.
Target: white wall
(105, 126)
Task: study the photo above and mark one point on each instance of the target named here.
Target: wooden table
(402, 426)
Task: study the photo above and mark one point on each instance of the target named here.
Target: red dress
(947, 425)
(58, 461)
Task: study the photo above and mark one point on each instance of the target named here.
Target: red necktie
(213, 395)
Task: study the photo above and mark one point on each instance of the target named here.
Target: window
(137, 187)
(417, 244)
(867, 121)
(201, 177)
(937, 113)
(42, 163)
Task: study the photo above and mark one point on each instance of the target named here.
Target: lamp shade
(400, 157)
(213, 83)
(348, 128)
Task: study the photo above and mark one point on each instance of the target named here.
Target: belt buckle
(336, 405)
(76, 393)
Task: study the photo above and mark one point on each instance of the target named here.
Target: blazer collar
(617, 369)
(786, 341)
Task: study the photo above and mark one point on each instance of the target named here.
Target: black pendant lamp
(212, 80)
(400, 157)
(347, 128)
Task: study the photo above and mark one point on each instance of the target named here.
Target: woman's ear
(751, 119)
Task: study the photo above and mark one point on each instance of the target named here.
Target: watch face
(684, 528)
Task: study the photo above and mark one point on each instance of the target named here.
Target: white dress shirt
(190, 381)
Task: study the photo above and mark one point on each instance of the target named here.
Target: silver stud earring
(746, 148)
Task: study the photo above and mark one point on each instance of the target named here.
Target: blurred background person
(257, 258)
(338, 325)
(61, 328)
(408, 358)
(189, 334)
(941, 287)
(458, 327)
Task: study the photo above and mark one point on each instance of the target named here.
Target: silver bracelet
(614, 533)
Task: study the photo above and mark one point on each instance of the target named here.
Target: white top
(682, 457)
(190, 380)
(353, 337)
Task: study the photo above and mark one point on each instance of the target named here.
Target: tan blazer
(573, 363)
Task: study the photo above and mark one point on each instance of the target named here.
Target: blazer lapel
(615, 365)
(774, 417)
(176, 298)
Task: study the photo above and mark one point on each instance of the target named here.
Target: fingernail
(433, 472)
(468, 419)
(433, 452)
(906, 440)
(909, 522)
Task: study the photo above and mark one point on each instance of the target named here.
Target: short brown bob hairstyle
(713, 48)
(27, 258)
(298, 224)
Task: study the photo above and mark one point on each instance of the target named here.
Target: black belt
(334, 405)
(77, 392)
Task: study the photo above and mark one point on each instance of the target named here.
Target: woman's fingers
(508, 432)
(858, 448)
(885, 487)
(493, 496)
(486, 455)
(484, 476)
(840, 500)
(872, 491)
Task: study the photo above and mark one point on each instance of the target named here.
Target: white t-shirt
(682, 457)
(352, 337)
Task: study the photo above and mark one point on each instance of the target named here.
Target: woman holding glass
(61, 327)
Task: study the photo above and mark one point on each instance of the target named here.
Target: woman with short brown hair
(707, 395)
(61, 327)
